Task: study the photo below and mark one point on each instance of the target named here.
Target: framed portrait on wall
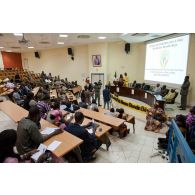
(96, 60)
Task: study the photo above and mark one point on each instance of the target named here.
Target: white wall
(58, 62)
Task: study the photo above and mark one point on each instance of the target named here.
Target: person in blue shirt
(106, 96)
(90, 143)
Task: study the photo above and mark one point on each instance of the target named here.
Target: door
(95, 77)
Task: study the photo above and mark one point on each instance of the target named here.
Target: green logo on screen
(164, 58)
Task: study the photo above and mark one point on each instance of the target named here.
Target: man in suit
(184, 93)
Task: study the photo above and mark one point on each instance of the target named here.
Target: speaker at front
(37, 54)
(127, 47)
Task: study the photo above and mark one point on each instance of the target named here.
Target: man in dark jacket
(106, 96)
(184, 93)
(90, 143)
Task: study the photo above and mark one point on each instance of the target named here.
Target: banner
(131, 105)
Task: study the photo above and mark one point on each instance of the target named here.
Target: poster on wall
(96, 60)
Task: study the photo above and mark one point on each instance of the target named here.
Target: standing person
(126, 80)
(88, 94)
(121, 80)
(97, 87)
(184, 93)
(106, 96)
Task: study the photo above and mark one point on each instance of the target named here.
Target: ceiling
(40, 41)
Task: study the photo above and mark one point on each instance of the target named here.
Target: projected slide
(166, 61)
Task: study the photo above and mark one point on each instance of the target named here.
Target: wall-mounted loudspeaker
(37, 54)
(70, 52)
(127, 47)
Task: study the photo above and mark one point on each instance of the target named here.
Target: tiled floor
(135, 148)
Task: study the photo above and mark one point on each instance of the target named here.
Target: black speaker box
(127, 47)
(37, 54)
(70, 52)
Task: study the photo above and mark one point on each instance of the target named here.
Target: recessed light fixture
(63, 35)
(60, 43)
(30, 47)
(18, 34)
(101, 37)
(1, 47)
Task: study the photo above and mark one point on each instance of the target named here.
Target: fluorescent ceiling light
(101, 37)
(60, 43)
(1, 47)
(18, 34)
(8, 51)
(63, 35)
(30, 47)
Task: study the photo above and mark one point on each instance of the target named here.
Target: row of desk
(69, 141)
(138, 94)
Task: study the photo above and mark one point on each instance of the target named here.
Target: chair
(173, 100)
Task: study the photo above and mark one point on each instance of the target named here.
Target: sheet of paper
(48, 130)
(41, 150)
(62, 107)
(90, 130)
(36, 156)
(132, 91)
(53, 145)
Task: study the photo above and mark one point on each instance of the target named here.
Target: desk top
(112, 121)
(76, 89)
(69, 141)
(105, 128)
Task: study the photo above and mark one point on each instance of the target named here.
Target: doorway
(95, 77)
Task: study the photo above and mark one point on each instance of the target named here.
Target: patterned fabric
(190, 119)
(44, 108)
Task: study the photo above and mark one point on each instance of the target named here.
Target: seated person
(93, 106)
(8, 139)
(163, 91)
(143, 85)
(157, 89)
(169, 97)
(17, 97)
(122, 114)
(111, 113)
(155, 116)
(23, 90)
(121, 80)
(90, 144)
(28, 134)
(7, 142)
(17, 78)
(69, 107)
(27, 100)
(190, 118)
(56, 117)
(134, 84)
(10, 84)
(44, 107)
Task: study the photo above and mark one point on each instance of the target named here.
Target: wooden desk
(105, 128)
(15, 112)
(130, 118)
(76, 89)
(35, 90)
(69, 141)
(109, 120)
(138, 94)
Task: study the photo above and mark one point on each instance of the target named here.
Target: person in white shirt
(157, 89)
